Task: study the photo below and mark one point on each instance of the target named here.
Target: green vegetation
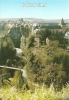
(48, 64)
(43, 34)
(52, 35)
(42, 93)
(30, 42)
(18, 79)
(6, 50)
(44, 64)
(16, 33)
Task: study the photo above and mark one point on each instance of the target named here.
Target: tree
(23, 42)
(7, 49)
(58, 36)
(44, 34)
(15, 35)
(18, 79)
(66, 63)
(48, 65)
(30, 41)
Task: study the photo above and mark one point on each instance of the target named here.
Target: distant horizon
(37, 18)
(34, 18)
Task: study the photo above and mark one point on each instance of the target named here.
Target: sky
(53, 9)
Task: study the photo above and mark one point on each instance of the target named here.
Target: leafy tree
(30, 41)
(7, 49)
(15, 36)
(46, 65)
(24, 30)
(44, 34)
(58, 36)
(66, 63)
(18, 79)
(16, 33)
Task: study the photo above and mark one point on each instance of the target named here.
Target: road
(23, 71)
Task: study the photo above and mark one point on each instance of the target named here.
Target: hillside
(43, 93)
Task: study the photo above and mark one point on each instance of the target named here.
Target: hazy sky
(55, 9)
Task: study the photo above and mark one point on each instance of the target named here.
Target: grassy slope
(43, 93)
